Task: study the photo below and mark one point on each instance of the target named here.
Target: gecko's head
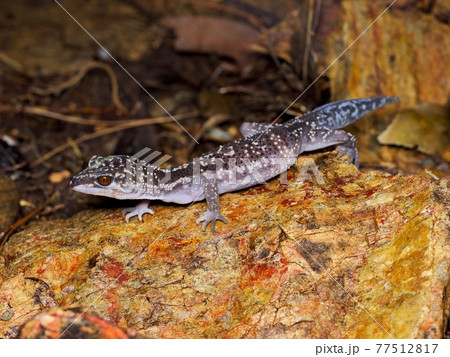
(112, 176)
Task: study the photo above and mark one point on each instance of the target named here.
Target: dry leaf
(209, 34)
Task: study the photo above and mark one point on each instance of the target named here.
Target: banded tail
(339, 114)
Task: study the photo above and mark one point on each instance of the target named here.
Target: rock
(425, 127)
(404, 53)
(72, 323)
(342, 253)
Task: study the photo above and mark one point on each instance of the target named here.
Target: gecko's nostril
(74, 182)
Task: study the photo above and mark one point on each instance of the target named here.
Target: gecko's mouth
(91, 189)
(77, 185)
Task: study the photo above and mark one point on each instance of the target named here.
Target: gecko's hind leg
(139, 210)
(349, 148)
(314, 139)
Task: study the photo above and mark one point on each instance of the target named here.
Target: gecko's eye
(104, 180)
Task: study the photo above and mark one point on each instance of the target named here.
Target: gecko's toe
(204, 219)
(139, 211)
(201, 219)
(211, 217)
(128, 210)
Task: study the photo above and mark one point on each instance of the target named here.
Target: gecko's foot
(211, 217)
(139, 211)
(352, 152)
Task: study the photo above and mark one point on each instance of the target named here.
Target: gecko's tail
(339, 114)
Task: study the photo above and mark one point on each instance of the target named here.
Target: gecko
(265, 151)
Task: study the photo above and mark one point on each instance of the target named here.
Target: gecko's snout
(74, 182)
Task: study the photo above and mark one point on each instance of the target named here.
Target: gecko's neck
(157, 181)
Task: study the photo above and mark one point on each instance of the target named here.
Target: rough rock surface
(72, 323)
(342, 254)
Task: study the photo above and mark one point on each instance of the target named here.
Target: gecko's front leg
(209, 183)
(139, 210)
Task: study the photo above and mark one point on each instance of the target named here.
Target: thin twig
(76, 119)
(306, 53)
(56, 90)
(7, 233)
(11, 62)
(210, 123)
(40, 111)
(122, 67)
(128, 125)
